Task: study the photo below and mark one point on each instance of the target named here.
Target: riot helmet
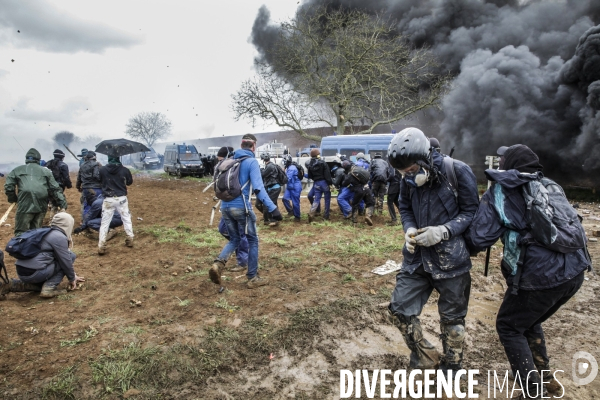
(407, 148)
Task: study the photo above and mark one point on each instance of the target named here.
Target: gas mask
(418, 179)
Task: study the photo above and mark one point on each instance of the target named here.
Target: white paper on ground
(389, 267)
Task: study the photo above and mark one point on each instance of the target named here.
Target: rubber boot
(215, 271)
(453, 338)
(51, 290)
(369, 215)
(422, 353)
(16, 285)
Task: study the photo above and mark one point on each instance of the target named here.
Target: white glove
(432, 235)
(409, 240)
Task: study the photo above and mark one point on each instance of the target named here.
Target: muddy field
(149, 324)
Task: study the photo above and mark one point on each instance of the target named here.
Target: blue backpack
(28, 245)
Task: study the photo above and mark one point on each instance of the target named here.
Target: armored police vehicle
(183, 160)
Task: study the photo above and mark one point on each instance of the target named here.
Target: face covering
(419, 179)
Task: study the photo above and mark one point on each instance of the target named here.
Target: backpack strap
(451, 175)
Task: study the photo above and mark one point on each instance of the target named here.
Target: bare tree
(342, 68)
(149, 127)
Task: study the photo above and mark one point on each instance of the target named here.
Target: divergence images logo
(584, 364)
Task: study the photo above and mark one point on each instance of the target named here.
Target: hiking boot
(256, 282)
(392, 223)
(111, 234)
(102, 249)
(129, 241)
(215, 271)
(239, 268)
(51, 291)
(17, 285)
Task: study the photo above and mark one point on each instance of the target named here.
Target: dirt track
(323, 311)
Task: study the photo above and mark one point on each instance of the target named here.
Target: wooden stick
(206, 188)
(212, 213)
(5, 216)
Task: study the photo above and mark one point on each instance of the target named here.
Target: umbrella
(119, 147)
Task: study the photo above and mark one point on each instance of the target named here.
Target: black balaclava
(522, 158)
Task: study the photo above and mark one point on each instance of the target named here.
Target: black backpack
(282, 178)
(28, 244)
(300, 169)
(54, 166)
(361, 174)
(227, 179)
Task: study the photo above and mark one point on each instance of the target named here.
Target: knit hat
(114, 160)
(58, 153)
(522, 158)
(65, 222)
(315, 153)
(33, 156)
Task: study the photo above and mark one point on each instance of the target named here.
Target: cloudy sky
(87, 66)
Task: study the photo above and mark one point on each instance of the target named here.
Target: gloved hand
(78, 230)
(432, 235)
(276, 215)
(409, 239)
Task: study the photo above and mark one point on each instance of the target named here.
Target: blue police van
(351, 145)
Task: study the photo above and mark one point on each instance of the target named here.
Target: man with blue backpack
(543, 262)
(44, 258)
(235, 179)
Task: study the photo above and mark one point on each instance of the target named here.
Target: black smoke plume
(525, 72)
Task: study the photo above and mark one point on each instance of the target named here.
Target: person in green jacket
(35, 185)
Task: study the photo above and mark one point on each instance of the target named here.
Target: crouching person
(540, 279)
(46, 270)
(92, 219)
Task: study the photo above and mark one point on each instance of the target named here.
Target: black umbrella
(119, 147)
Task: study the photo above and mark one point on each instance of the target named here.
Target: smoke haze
(525, 72)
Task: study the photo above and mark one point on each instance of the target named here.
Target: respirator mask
(418, 178)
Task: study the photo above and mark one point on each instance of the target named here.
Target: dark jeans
(311, 198)
(413, 290)
(519, 325)
(27, 221)
(393, 200)
(379, 188)
(321, 189)
(241, 253)
(237, 221)
(52, 275)
(274, 196)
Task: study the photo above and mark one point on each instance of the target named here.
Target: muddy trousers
(321, 190)
(393, 201)
(408, 299)
(311, 198)
(519, 326)
(27, 221)
(379, 188)
(109, 205)
(362, 193)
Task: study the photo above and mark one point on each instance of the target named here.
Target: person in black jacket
(60, 170)
(360, 192)
(393, 195)
(88, 181)
(115, 178)
(379, 176)
(319, 172)
(270, 177)
(547, 279)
